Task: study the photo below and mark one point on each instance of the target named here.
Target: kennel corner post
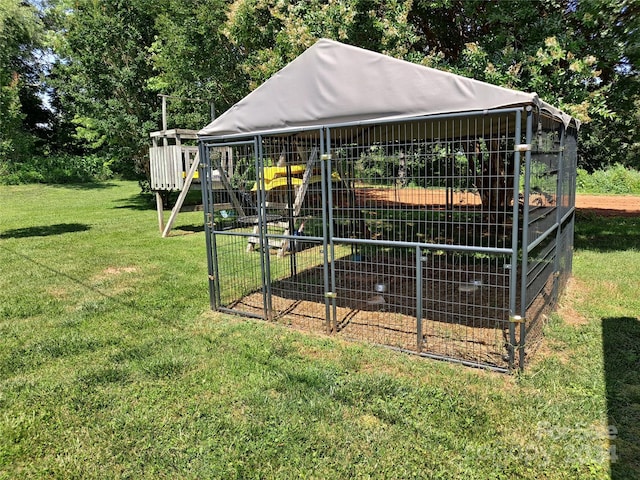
(210, 238)
(525, 241)
(263, 240)
(514, 318)
(325, 254)
(329, 233)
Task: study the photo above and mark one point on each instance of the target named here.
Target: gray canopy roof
(333, 83)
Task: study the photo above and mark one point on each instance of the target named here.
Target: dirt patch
(118, 270)
(453, 340)
(463, 307)
(110, 274)
(609, 205)
(573, 291)
(603, 205)
(416, 196)
(58, 292)
(458, 319)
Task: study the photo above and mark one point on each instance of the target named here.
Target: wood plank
(192, 208)
(160, 209)
(223, 206)
(302, 191)
(185, 133)
(276, 205)
(181, 197)
(227, 186)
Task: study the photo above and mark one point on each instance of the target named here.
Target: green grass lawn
(112, 366)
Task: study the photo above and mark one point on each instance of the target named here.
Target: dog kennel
(392, 203)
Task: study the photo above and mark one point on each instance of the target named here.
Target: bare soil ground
(609, 205)
(604, 205)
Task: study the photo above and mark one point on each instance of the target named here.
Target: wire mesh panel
(548, 210)
(429, 235)
(446, 184)
(292, 187)
(233, 229)
(445, 181)
(375, 294)
(241, 278)
(544, 168)
(466, 302)
(565, 247)
(568, 182)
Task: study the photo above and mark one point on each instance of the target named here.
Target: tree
(101, 75)
(612, 30)
(115, 57)
(544, 46)
(20, 31)
(193, 59)
(579, 55)
(270, 33)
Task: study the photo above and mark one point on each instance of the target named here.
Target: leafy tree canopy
(20, 33)
(114, 57)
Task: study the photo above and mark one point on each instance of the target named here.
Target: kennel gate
(410, 234)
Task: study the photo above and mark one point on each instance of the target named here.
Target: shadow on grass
(45, 230)
(606, 234)
(147, 201)
(141, 201)
(190, 228)
(621, 344)
(85, 185)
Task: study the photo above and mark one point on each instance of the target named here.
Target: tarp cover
(333, 83)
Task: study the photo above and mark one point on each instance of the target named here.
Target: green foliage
(616, 179)
(572, 84)
(605, 142)
(439, 164)
(565, 55)
(193, 59)
(272, 33)
(19, 32)
(113, 58)
(56, 169)
(101, 77)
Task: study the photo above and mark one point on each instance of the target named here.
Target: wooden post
(306, 177)
(160, 209)
(182, 196)
(164, 113)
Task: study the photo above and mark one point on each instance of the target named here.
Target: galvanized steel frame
(518, 299)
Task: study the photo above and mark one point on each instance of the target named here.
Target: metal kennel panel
(459, 170)
(422, 235)
(566, 209)
(293, 189)
(237, 281)
(376, 293)
(565, 257)
(548, 214)
(448, 236)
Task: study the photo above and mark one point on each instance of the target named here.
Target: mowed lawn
(113, 366)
